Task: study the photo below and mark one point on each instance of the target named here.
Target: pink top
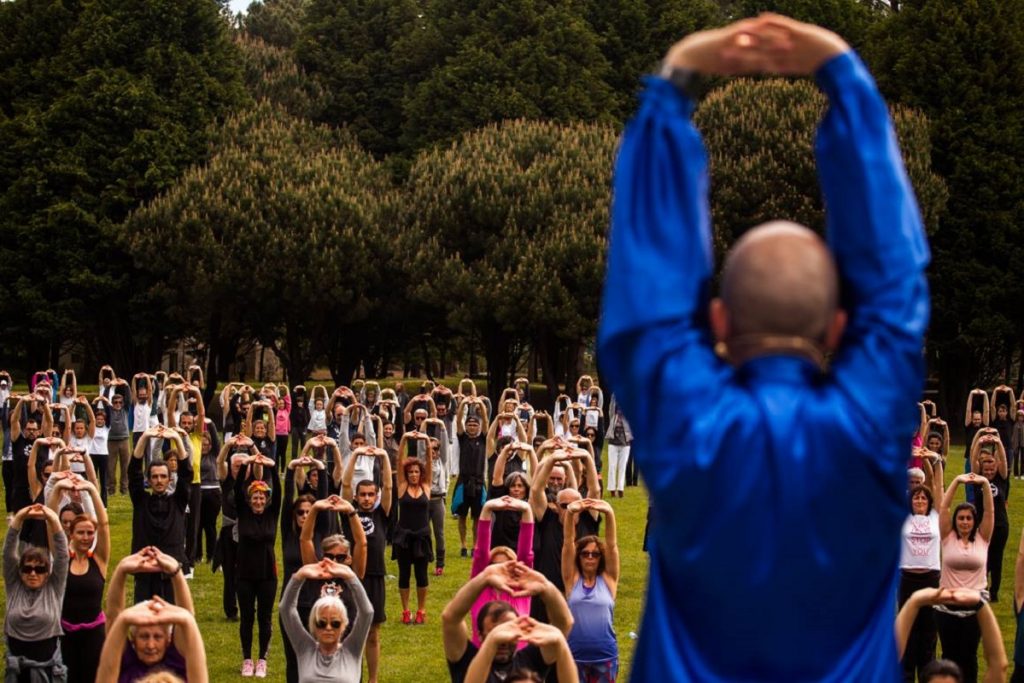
(963, 567)
(482, 558)
(282, 421)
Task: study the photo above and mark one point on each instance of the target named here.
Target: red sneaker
(439, 571)
(406, 616)
(421, 616)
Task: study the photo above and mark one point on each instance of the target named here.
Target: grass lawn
(409, 653)
(414, 653)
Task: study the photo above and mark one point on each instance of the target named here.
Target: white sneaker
(247, 668)
(188, 577)
(261, 668)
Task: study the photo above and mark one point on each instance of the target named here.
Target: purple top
(132, 669)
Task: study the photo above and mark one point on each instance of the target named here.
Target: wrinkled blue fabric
(777, 491)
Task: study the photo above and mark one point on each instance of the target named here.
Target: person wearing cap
(470, 488)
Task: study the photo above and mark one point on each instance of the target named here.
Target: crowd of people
(335, 478)
(343, 475)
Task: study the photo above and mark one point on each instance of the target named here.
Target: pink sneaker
(261, 668)
(247, 668)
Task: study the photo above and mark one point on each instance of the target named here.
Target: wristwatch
(684, 80)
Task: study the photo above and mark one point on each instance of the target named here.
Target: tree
(102, 105)
(962, 63)
(514, 215)
(759, 136)
(852, 19)
(275, 22)
(271, 73)
(281, 229)
(350, 47)
(483, 62)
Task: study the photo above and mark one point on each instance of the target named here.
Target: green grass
(409, 653)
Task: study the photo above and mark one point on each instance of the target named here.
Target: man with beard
(159, 516)
(22, 438)
(468, 497)
(374, 517)
(549, 503)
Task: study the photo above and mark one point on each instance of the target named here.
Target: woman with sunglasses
(35, 593)
(296, 511)
(323, 654)
(590, 570)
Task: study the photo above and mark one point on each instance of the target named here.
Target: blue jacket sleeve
(876, 235)
(654, 316)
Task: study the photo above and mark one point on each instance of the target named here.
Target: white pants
(618, 457)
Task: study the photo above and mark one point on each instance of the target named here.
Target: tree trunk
(427, 364)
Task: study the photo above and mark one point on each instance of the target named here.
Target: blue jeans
(598, 672)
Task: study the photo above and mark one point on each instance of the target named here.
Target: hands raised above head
(769, 43)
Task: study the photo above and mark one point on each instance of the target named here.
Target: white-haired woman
(321, 653)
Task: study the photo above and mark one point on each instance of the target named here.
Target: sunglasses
(339, 557)
(564, 506)
(35, 569)
(322, 623)
(590, 554)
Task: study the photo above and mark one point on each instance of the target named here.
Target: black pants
(195, 502)
(99, 463)
(8, 475)
(148, 585)
(281, 451)
(1018, 673)
(298, 441)
(255, 605)
(632, 472)
(291, 664)
(1000, 534)
(209, 511)
(1018, 469)
(924, 633)
(229, 552)
(960, 637)
(81, 652)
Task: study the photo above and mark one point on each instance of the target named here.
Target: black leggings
(923, 634)
(81, 652)
(1018, 469)
(960, 637)
(405, 568)
(256, 603)
(209, 512)
(281, 451)
(1000, 534)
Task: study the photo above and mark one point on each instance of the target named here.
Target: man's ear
(834, 332)
(719, 319)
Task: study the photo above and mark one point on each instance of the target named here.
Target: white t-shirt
(86, 499)
(921, 542)
(141, 415)
(83, 443)
(99, 441)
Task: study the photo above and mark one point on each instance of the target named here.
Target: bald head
(780, 279)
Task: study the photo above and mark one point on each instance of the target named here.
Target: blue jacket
(777, 491)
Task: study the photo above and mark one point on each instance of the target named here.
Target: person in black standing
(25, 429)
(467, 500)
(373, 514)
(988, 458)
(159, 516)
(258, 502)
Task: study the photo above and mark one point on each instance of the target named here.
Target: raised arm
(945, 511)
(988, 520)
(498, 476)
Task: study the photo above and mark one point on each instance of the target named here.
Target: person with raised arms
(746, 563)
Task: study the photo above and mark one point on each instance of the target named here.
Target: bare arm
(989, 520)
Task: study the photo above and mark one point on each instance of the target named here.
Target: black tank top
(83, 595)
(413, 513)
